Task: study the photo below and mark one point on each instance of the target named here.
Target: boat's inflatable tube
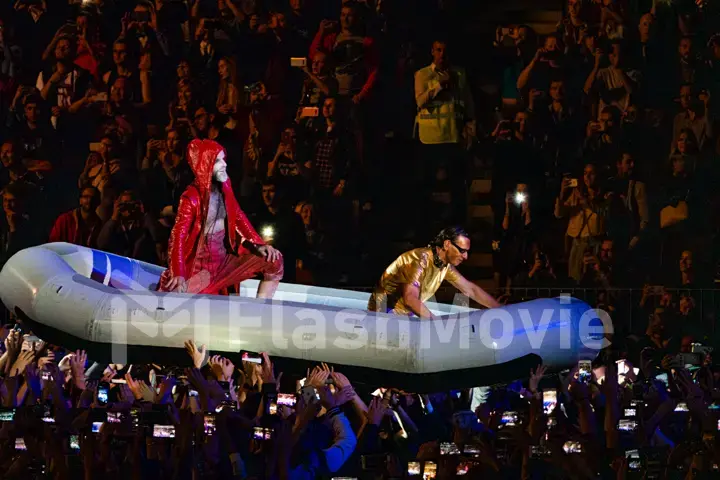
(85, 298)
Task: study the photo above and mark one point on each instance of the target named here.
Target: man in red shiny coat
(212, 245)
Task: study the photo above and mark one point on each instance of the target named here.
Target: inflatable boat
(107, 304)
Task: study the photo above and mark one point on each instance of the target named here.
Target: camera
(164, 431)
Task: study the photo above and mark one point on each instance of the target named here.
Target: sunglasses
(460, 249)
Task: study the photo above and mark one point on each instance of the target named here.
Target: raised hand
(267, 374)
(197, 355)
(535, 378)
(376, 411)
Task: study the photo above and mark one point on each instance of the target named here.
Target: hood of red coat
(201, 157)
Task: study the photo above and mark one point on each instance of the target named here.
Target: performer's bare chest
(216, 214)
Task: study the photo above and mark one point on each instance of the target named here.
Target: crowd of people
(350, 135)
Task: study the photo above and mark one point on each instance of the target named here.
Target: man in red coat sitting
(80, 226)
(212, 245)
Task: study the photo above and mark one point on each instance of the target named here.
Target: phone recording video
(164, 431)
(20, 444)
(633, 458)
(413, 468)
(572, 447)
(429, 470)
(260, 433)
(538, 451)
(449, 448)
(549, 401)
(584, 371)
(75, 443)
(471, 449)
(463, 468)
(114, 417)
(96, 427)
(626, 425)
(252, 358)
(7, 415)
(509, 419)
(630, 412)
(520, 198)
(102, 393)
(682, 407)
(286, 399)
(209, 424)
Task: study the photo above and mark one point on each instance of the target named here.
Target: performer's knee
(275, 270)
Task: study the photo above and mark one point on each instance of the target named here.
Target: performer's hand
(267, 252)
(177, 284)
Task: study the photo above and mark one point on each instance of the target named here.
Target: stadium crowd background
(602, 147)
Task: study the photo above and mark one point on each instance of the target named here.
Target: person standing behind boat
(415, 276)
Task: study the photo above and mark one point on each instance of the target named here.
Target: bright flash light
(520, 197)
(268, 232)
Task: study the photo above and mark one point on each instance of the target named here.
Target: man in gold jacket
(415, 276)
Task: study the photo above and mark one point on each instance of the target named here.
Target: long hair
(228, 90)
(449, 233)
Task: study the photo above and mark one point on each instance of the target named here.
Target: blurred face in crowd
(142, 10)
(8, 155)
(522, 35)
(268, 195)
(119, 53)
(118, 90)
(589, 176)
(589, 42)
(32, 112)
(296, 5)
(277, 21)
(686, 261)
(606, 251)
(347, 18)
(128, 206)
(306, 214)
(184, 93)
(551, 44)
(11, 204)
(626, 165)
(172, 141)
(656, 327)
(223, 69)
(574, 8)
(678, 165)
(685, 47)
(89, 200)
(62, 50)
(686, 305)
(439, 54)
(685, 143)
(319, 62)
(520, 122)
(606, 122)
(201, 119)
(615, 56)
(454, 255)
(183, 70)
(329, 108)
(82, 24)
(646, 23)
(557, 90)
(685, 96)
(108, 147)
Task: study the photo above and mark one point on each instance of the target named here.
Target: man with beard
(81, 225)
(209, 219)
(415, 276)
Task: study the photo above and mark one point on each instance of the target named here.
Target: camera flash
(268, 232)
(520, 197)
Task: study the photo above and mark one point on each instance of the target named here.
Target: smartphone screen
(252, 358)
(209, 424)
(413, 468)
(96, 427)
(572, 447)
(7, 415)
(102, 393)
(470, 449)
(164, 431)
(682, 407)
(630, 412)
(449, 448)
(584, 370)
(20, 444)
(430, 470)
(549, 401)
(509, 418)
(633, 457)
(114, 417)
(287, 399)
(74, 443)
(626, 425)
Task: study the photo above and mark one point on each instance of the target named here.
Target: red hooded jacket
(192, 214)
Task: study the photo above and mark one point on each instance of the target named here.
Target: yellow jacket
(442, 112)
